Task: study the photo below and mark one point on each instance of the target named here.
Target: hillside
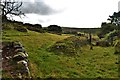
(42, 41)
(96, 63)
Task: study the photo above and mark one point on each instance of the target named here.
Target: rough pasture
(99, 62)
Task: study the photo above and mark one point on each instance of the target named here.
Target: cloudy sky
(68, 13)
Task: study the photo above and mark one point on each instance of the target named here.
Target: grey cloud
(38, 8)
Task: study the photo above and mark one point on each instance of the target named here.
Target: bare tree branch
(10, 7)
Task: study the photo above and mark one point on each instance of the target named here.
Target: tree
(115, 18)
(106, 28)
(10, 7)
(55, 29)
(109, 27)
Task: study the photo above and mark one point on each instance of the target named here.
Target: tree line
(112, 26)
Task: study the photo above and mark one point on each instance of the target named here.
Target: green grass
(99, 62)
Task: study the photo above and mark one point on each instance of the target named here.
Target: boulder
(19, 56)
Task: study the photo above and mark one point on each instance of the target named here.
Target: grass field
(99, 62)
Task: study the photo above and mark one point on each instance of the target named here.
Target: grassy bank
(99, 62)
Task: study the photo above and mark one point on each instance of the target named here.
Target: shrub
(106, 28)
(77, 41)
(103, 43)
(38, 26)
(63, 48)
(37, 29)
(117, 47)
(21, 29)
(7, 26)
(112, 34)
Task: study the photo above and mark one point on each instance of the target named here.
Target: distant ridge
(69, 29)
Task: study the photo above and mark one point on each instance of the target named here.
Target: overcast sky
(68, 13)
